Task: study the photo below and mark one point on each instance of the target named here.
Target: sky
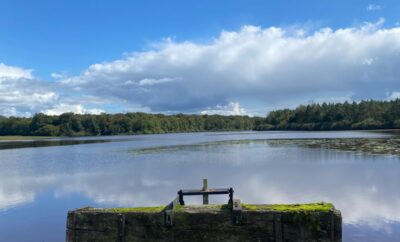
(204, 57)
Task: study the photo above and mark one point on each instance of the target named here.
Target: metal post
(205, 187)
(181, 202)
(230, 196)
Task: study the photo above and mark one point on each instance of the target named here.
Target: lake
(41, 180)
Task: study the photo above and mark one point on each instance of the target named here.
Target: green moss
(138, 209)
(197, 207)
(300, 214)
(309, 207)
(306, 219)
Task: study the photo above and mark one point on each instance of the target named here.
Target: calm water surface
(39, 182)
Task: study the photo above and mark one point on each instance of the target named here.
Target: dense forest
(333, 116)
(69, 124)
(368, 114)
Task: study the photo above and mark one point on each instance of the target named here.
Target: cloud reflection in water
(363, 187)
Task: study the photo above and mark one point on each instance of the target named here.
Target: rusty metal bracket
(205, 192)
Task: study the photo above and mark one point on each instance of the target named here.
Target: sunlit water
(38, 185)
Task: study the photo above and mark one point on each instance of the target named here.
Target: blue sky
(52, 44)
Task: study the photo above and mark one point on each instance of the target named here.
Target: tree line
(70, 124)
(367, 114)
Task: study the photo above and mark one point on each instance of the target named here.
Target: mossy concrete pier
(299, 222)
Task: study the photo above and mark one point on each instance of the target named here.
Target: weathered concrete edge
(94, 224)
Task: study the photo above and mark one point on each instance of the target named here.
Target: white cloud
(368, 61)
(270, 66)
(56, 75)
(13, 72)
(12, 111)
(74, 108)
(394, 95)
(373, 7)
(233, 108)
(8, 200)
(21, 93)
(148, 82)
(8, 111)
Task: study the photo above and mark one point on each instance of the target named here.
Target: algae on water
(385, 146)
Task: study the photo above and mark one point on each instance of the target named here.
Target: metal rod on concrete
(205, 188)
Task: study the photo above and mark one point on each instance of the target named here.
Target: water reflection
(45, 143)
(364, 187)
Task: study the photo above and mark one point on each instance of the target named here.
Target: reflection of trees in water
(364, 187)
(258, 173)
(47, 143)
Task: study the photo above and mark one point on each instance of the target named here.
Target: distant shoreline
(33, 138)
(364, 115)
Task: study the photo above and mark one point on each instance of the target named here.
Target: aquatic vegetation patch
(386, 146)
(189, 147)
